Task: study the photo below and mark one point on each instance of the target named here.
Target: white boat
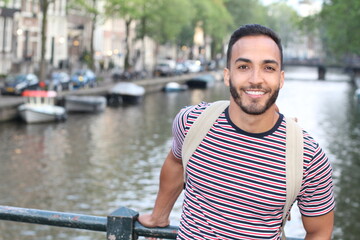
(175, 87)
(126, 92)
(85, 103)
(40, 107)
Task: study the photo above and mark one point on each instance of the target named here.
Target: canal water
(94, 163)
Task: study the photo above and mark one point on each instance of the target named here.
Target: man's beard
(254, 108)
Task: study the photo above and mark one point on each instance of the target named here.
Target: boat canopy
(39, 93)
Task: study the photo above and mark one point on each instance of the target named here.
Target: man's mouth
(255, 93)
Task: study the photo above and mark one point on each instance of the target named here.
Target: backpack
(294, 151)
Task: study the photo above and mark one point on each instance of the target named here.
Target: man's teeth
(255, 92)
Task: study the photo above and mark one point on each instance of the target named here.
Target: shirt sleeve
(182, 123)
(179, 128)
(317, 194)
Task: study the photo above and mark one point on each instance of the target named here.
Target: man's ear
(226, 76)
(282, 79)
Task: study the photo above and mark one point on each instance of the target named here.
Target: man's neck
(253, 123)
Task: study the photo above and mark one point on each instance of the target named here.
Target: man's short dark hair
(252, 30)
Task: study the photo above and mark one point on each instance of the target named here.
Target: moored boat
(357, 95)
(126, 92)
(40, 107)
(175, 87)
(202, 81)
(85, 103)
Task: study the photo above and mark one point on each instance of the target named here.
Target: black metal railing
(119, 225)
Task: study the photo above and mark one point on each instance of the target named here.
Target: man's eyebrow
(242, 60)
(271, 61)
(249, 61)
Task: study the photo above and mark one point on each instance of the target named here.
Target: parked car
(83, 78)
(181, 68)
(59, 81)
(165, 67)
(16, 84)
(117, 74)
(210, 65)
(193, 66)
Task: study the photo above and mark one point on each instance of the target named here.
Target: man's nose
(256, 77)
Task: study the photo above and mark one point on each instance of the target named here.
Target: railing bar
(80, 221)
(169, 232)
(60, 219)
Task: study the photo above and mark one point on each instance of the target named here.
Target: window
(8, 35)
(2, 35)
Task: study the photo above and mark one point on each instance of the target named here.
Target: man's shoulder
(309, 141)
(314, 154)
(193, 111)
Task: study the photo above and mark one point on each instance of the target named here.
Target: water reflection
(93, 164)
(344, 143)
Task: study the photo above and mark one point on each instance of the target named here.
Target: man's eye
(269, 68)
(243, 67)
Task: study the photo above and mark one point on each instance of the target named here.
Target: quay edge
(8, 108)
(9, 104)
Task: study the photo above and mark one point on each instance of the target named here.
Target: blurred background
(133, 36)
(95, 163)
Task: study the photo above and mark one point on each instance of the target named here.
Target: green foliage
(215, 19)
(166, 19)
(2, 76)
(217, 24)
(5, 2)
(284, 20)
(129, 10)
(213, 14)
(186, 36)
(174, 21)
(340, 26)
(88, 7)
(87, 58)
(309, 23)
(126, 9)
(245, 12)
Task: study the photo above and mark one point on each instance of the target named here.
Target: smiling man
(236, 178)
(254, 71)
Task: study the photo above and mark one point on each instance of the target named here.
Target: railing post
(120, 224)
(321, 72)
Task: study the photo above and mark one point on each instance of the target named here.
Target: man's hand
(148, 221)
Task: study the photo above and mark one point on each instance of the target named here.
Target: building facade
(20, 35)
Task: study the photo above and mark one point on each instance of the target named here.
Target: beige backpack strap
(200, 128)
(294, 165)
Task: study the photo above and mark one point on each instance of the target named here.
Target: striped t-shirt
(236, 186)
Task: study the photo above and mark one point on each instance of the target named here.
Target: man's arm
(319, 228)
(171, 185)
